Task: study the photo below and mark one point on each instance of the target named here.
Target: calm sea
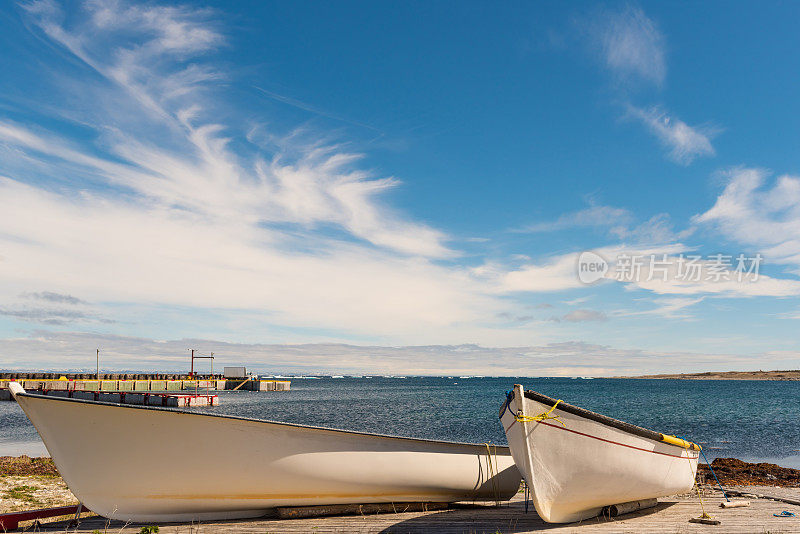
(751, 420)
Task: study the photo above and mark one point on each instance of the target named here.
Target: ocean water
(751, 420)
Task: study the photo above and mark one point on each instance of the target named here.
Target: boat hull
(576, 469)
(148, 464)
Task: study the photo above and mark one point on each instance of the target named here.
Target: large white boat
(576, 461)
(137, 463)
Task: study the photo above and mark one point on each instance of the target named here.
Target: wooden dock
(671, 516)
(95, 389)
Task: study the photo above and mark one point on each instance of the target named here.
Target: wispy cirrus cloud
(631, 45)
(593, 216)
(658, 229)
(633, 50)
(157, 200)
(125, 42)
(151, 189)
(667, 307)
(759, 214)
(156, 56)
(685, 143)
(617, 222)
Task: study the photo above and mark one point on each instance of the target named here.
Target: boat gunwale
(499, 448)
(602, 419)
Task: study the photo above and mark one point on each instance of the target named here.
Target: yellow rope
(492, 472)
(541, 417)
(696, 487)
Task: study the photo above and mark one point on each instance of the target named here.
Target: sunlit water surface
(751, 420)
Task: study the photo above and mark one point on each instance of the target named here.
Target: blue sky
(337, 177)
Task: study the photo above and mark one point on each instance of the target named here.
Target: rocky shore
(27, 466)
(735, 472)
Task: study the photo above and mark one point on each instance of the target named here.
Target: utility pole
(98, 364)
(191, 373)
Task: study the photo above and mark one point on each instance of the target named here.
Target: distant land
(728, 375)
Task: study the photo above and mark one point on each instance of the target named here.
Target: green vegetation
(22, 493)
(150, 529)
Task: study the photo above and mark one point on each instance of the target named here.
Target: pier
(144, 398)
(144, 389)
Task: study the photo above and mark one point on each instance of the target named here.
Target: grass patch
(22, 493)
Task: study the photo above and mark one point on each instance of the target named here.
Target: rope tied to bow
(541, 417)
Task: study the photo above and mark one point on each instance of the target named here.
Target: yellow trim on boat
(672, 440)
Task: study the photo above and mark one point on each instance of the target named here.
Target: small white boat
(576, 461)
(137, 463)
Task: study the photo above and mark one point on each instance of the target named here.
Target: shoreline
(788, 375)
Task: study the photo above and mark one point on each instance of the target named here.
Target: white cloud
(109, 250)
(554, 274)
(790, 315)
(684, 142)
(660, 269)
(619, 222)
(582, 315)
(706, 281)
(168, 205)
(560, 272)
(670, 308)
(588, 217)
(51, 308)
(570, 358)
(124, 43)
(154, 55)
(656, 230)
(632, 48)
(593, 216)
(764, 217)
(51, 315)
(166, 200)
(632, 45)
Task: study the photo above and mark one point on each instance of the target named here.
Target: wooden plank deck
(670, 516)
